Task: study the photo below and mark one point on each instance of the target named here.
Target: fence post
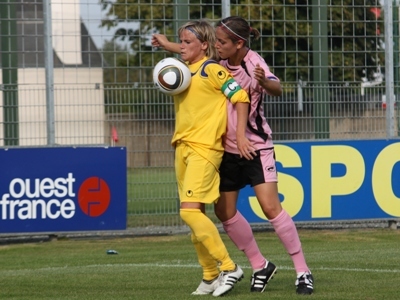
(226, 8)
(49, 71)
(321, 96)
(9, 59)
(388, 9)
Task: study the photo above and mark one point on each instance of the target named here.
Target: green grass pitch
(346, 264)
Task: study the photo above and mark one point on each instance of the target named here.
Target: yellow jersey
(201, 110)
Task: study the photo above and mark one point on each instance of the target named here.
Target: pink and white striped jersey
(258, 130)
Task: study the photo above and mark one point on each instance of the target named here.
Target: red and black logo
(94, 196)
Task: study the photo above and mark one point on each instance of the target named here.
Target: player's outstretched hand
(159, 40)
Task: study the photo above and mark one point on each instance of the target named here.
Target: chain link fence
(79, 72)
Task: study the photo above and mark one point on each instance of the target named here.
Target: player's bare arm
(245, 147)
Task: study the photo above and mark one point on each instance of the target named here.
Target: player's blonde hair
(204, 32)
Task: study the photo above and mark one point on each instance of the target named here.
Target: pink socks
(287, 233)
(241, 234)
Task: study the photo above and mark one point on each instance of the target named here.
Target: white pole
(389, 74)
(226, 8)
(49, 70)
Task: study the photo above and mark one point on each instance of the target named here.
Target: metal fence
(79, 72)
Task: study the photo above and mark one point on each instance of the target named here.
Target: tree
(285, 27)
(119, 67)
(138, 61)
(156, 16)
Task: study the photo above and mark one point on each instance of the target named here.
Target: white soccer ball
(171, 76)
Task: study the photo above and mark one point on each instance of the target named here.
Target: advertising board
(63, 189)
(334, 180)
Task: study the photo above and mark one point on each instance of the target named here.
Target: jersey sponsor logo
(221, 75)
(53, 198)
(270, 169)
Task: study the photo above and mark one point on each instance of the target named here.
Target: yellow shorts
(197, 178)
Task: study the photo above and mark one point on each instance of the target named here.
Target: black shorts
(237, 172)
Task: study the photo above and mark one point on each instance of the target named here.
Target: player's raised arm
(160, 40)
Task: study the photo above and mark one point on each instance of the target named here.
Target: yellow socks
(206, 261)
(206, 233)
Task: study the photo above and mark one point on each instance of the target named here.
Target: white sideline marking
(71, 268)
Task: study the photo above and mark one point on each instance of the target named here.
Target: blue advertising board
(334, 180)
(62, 189)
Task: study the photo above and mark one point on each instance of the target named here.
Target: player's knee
(224, 213)
(271, 211)
(186, 213)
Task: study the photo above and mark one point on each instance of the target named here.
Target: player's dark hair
(238, 28)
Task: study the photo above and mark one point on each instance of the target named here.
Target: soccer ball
(171, 76)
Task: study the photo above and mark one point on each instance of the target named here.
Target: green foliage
(285, 27)
(359, 50)
(118, 65)
(286, 30)
(157, 16)
(286, 36)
